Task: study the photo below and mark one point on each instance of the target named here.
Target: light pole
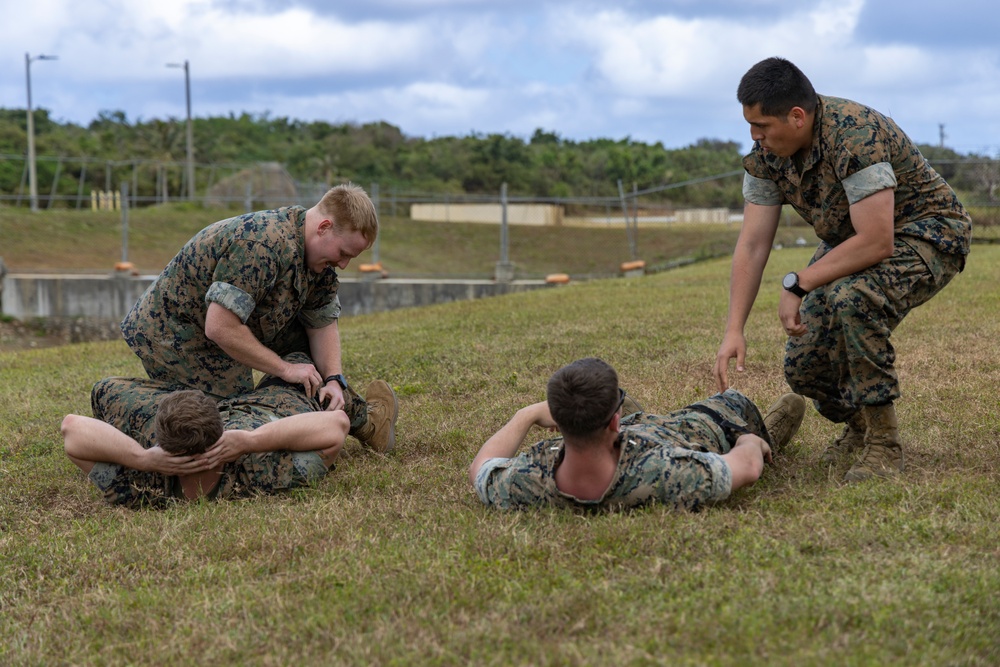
(32, 173)
(190, 138)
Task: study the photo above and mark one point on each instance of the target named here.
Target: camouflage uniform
(846, 359)
(254, 266)
(130, 406)
(673, 459)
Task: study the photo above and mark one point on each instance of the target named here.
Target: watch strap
(339, 378)
(797, 291)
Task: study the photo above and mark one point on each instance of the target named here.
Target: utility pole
(32, 172)
(190, 135)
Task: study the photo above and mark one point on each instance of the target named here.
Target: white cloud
(693, 57)
(655, 71)
(834, 20)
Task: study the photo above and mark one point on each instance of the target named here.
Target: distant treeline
(545, 165)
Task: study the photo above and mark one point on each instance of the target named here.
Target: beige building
(703, 215)
(517, 214)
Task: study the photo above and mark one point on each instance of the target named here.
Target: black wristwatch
(341, 380)
(791, 283)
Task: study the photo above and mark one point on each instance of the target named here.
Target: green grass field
(392, 560)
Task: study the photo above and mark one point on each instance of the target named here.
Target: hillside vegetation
(149, 155)
(544, 165)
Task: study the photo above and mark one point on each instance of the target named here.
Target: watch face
(790, 281)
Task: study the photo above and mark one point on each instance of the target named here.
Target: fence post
(135, 183)
(79, 188)
(635, 220)
(628, 229)
(124, 205)
(378, 236)
(20, 188)
(504, 270)
(54, 192)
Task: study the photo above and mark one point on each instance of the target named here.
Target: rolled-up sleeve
(512, 483)
(323, 316)
(483, 481)
(868, 181)
(761, 191)
(231, 298)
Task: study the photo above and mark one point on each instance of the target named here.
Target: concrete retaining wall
(371, 296)
(51, 295)
(110, 297)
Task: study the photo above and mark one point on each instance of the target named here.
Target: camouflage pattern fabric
(354, 404)
(849, 138)
(253, 265)
(673, 459)
(846, 360)
(129, 404)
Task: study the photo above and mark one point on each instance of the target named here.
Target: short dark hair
(582, 396)
(776, 85)
(187, 422)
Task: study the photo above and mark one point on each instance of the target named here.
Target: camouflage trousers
(354, 404)
(129, 404)
(711, 425)
(846, 360)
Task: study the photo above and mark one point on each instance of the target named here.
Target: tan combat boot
(883, 454)
(784, 418)
(379, 432)
(850, 441)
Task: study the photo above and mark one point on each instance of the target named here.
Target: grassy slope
(75, 241)
(86, 241)
(392, 560)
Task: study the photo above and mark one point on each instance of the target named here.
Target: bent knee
(69, 424)
(339, 425)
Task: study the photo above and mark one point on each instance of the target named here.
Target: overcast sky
(654, 71)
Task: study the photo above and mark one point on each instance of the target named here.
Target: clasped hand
(228, 448)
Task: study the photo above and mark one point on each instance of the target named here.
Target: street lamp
(32, 173)
(190, 139)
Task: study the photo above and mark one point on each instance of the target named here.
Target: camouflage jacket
(855, 152)
(254, 266)
(673, 459)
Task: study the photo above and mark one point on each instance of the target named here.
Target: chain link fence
(80, 182)
(635, 229)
